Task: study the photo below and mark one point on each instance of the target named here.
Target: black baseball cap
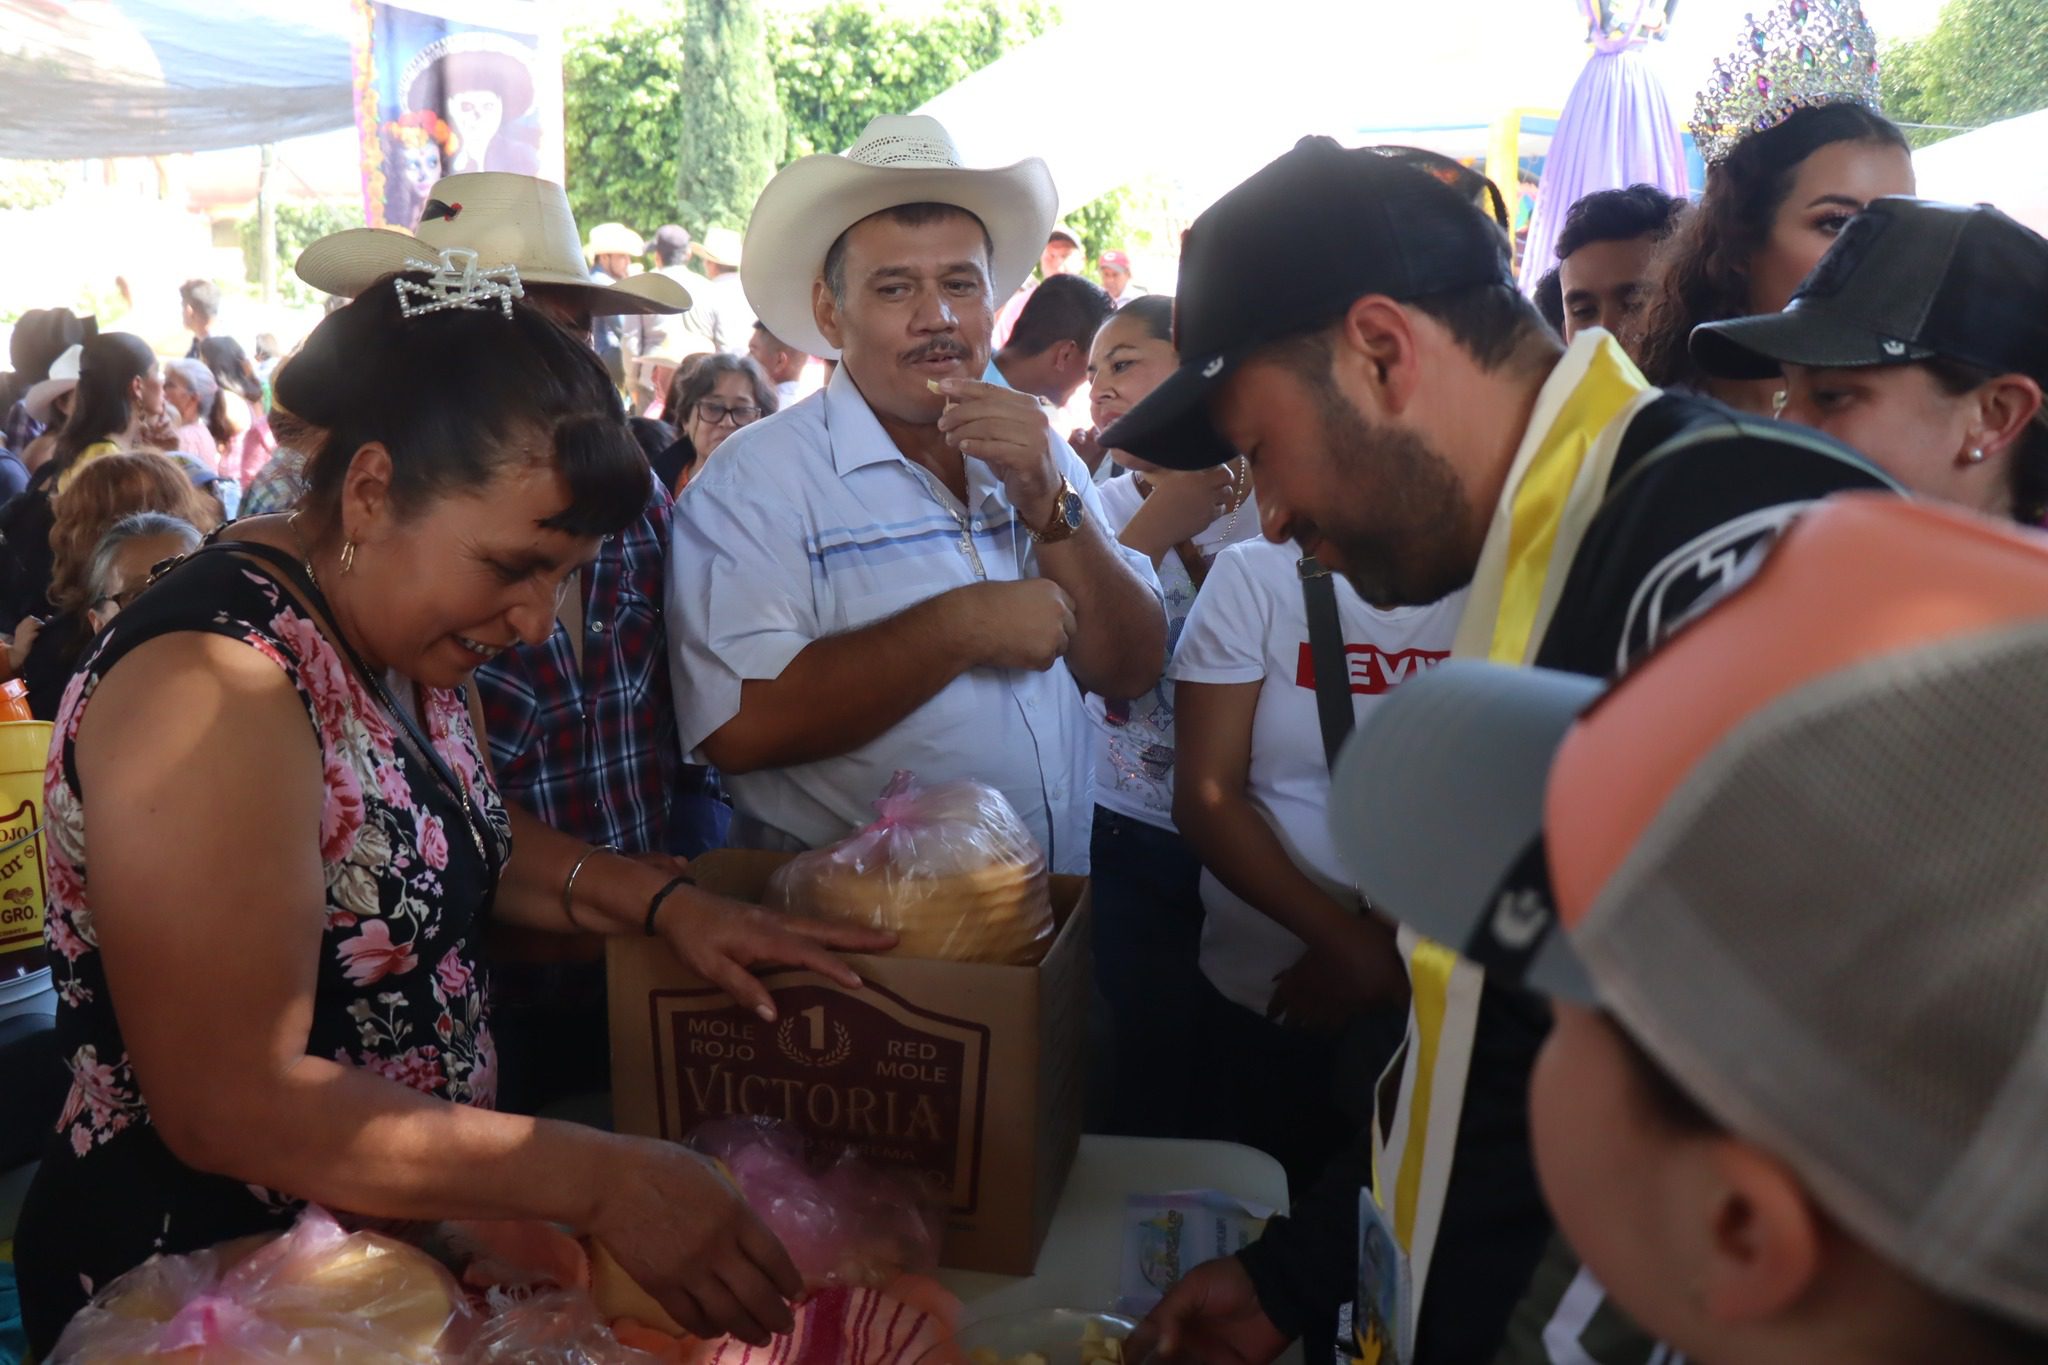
(1326, 226)
(1908, 280)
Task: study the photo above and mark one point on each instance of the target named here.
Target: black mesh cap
(1908, 280)
(1288, 251)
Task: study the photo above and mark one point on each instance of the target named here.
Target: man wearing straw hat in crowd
(577, 734)
(732, 318)
(908, 570)
(611, 251)
(669, 337)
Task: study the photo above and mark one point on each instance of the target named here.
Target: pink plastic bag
(842, 1220)
(950, 868)
(316, 1294)
(558, 1327)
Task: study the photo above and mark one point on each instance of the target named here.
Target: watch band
(1061, 528)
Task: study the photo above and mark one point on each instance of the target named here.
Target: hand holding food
(680, 1230)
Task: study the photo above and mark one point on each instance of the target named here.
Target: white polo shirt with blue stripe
(810, 524)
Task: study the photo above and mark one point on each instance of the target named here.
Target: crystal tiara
(1802, 54)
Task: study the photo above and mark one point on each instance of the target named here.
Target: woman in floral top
(266, 950)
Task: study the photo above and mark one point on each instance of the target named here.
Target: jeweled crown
(1803, 53)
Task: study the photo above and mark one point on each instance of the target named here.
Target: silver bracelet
(569, 886)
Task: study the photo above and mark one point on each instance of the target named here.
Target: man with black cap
(1414, 425)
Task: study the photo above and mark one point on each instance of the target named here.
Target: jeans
(1148, 934)
(1273, 1087)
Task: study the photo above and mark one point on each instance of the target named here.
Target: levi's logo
(1373, 670)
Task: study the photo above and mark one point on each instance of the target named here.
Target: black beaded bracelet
(684, 880)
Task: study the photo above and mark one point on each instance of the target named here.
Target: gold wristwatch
(1067, 510)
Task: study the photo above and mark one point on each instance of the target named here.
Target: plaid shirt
(594, 753)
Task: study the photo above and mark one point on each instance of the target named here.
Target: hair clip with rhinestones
(457, 281)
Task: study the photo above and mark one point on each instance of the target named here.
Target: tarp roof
(96, 78)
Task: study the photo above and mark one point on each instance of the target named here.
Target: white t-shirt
(1134, 739)
(1250, 625)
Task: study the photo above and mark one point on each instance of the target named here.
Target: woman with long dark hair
(120, 391)
(239, 410)
(1773, 206)
(117, 406)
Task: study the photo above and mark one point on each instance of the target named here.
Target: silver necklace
(1240, 479)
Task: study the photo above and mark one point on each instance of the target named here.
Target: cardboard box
(967, 1071)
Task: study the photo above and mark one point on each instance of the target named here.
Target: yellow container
(24, 748)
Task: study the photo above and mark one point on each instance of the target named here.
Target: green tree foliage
(835, 67)
(623, 117)
(733, 129)
(1137, 217)
(30, 184)
(848, 62)
(298, 227)
(1984, 61)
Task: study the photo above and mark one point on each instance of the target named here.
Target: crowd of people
(384, 701)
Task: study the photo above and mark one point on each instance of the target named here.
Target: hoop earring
(348, 556)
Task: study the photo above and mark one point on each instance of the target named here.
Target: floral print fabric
(399, 988)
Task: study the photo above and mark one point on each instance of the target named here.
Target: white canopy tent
(1206, 91)
(2004, 164)
(1212, 91)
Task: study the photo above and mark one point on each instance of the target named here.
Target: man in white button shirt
(909, 569)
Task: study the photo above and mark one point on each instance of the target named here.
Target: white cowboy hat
(614, 239)
(515, 220)
(723, 246)
(900, 159)
(63, 379)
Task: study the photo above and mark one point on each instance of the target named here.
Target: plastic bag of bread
(842, 1219)
(316, 1294)
(949, 867)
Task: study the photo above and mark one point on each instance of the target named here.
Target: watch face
(1071, 508)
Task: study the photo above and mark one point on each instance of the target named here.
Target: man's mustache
(940, 348)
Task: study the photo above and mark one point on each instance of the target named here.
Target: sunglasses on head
(1484, 194)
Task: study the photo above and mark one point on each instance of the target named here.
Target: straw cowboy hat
(675, 346)
(63, 379)
(614, 239)
(723, 246)
(900, 159)
(514, 220)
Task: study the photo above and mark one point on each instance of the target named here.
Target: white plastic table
(1078, 1266)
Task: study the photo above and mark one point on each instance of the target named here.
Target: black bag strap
(1326, 657)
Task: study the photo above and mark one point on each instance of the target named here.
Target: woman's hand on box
(724, 940)
(680, 1229)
